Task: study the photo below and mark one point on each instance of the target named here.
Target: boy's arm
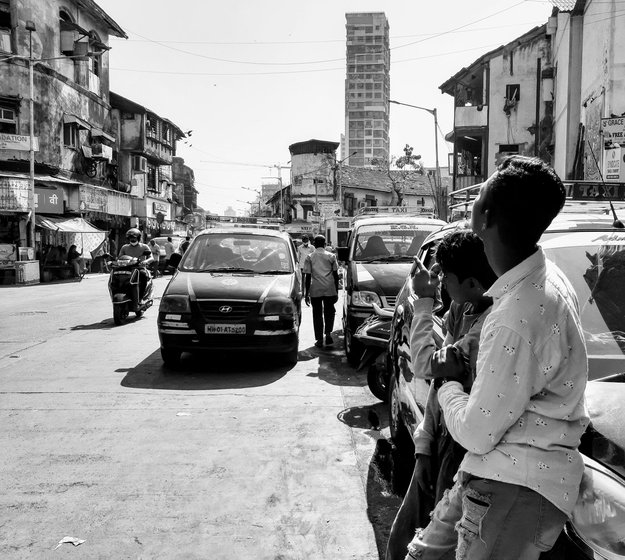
(425, 433)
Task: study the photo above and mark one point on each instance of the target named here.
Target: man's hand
(423, 474)
(448, 362)
(425, 283)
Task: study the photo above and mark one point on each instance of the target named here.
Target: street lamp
(259, 197)
(437, 175)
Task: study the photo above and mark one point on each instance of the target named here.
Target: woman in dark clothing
(74, 258)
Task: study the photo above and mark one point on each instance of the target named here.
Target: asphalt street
(230, 457)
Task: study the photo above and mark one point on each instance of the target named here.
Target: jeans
(484, 519)
(323, 315)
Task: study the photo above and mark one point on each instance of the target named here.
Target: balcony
(473, 116)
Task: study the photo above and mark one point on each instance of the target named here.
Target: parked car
(591, 252)
(160, 241)
(235, 289)
(378, 258)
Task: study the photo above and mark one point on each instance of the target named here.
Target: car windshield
(390, 241)
(238, 252)
(594, 262)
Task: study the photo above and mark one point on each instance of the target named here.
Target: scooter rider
(140, 251)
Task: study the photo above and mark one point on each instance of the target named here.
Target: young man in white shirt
(303, 251)
(522, 422)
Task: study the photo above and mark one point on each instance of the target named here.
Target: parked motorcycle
(373, 335)
(130, 287)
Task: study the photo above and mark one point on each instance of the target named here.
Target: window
(152, 178)
(68, 33)
(70, 135)
(513, 92)
(8, 121)
(5, 26)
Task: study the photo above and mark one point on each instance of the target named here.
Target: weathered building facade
(147, 146)
(503, 104)
(75, 160)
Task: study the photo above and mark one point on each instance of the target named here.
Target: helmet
(133, 232)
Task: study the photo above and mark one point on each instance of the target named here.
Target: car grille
(390, 301)
(210, 311)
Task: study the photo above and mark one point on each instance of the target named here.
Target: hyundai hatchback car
(235, 289)
(591, 252)
(378, 258)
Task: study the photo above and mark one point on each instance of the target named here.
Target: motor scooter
(373, 335)
(126, 289)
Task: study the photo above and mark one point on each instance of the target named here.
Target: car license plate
(225, 329)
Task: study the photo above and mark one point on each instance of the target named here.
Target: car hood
(207, 285)
(605, 441)
(381, 277)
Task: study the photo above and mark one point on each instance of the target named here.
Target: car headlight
(278, 306)
(175, 304)
(366, 299)
(599, 514)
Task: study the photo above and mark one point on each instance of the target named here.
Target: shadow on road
(371, 417)
(204, 371)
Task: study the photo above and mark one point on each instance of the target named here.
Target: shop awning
(67, 225)
(99, 133)
(39, 178)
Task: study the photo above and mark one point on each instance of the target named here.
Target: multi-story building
(503, 105)
(367, 89)
(184, 196)
(75, 168)
(147, 146)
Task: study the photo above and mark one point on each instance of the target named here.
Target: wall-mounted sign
(18, 142)
(614, 129)
(613, 165)
(14, 194)
(94, 199)
(159, 207)
(48, 200)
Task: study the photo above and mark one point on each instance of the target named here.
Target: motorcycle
(126, 290)
(373, 335)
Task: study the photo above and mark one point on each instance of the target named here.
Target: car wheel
(377, 379)
(290, 358)
(353, 349)
(402, 455)
(171, 357)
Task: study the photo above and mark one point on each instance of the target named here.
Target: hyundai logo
(225, 309)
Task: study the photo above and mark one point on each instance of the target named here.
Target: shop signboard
(18, 142)
(614, 129)
(95, 199)
(14, 194)
(49, 200)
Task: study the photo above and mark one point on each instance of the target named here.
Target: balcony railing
(471, 116)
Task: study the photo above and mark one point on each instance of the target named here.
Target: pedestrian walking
(321, 281)
(303, 251)
(169, 251)
(156, 255)
(523, 421)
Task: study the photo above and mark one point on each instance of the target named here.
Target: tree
(399, 170)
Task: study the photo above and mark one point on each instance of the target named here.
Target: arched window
(67, 29)
(97, 47)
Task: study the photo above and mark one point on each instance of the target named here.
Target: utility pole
(30, 27)
(280, 168)
(339, 188)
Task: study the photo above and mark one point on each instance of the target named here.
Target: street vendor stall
(58, 234)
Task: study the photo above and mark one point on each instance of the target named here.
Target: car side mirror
(174, 260)
(342, 253)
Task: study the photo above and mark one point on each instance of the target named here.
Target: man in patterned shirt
(523, 420)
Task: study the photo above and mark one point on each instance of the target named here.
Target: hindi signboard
(18, 142)
(49, 200)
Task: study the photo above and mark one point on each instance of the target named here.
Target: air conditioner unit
(139, 164)
(362, 204)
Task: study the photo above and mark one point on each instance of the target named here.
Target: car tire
(377, 379)
(171, 357)
(353, 349)
(402, 455)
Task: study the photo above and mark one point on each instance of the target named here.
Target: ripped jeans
(481, 518)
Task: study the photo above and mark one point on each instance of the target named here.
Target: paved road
(231, 457)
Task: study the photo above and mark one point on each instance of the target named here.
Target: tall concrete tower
(367, 89)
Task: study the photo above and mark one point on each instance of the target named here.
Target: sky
(251, 77)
